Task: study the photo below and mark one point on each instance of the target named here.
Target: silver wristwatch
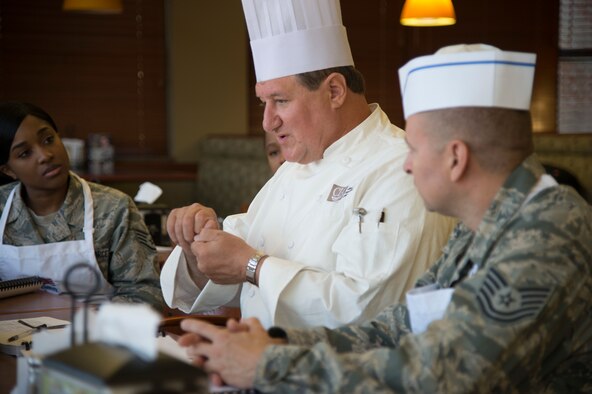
(252, 265)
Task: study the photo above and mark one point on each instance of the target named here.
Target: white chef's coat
(321, 269)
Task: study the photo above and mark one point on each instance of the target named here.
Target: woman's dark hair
(354, 79)
(12, 115)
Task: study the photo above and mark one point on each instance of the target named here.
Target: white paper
(133, 326)
(51, 341)
(148, 193)
(9, 328)
(426, 304)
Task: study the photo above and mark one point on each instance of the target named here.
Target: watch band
(252, 265)
(277, 332)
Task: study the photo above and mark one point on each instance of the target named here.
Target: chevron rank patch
(506, 304)
(143, 237)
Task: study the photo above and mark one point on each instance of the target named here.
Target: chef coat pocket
(367, 250)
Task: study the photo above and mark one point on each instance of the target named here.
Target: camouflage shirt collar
(73, 202)
(18, 205)
(506, 203)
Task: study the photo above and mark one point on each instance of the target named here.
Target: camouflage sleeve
(463, 351)
(519, 317)
(324, 360)
(327, 371)
(385, 330)
(458, 237)
(132, 269)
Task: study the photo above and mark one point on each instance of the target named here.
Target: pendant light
(94, 6)
(428, 13)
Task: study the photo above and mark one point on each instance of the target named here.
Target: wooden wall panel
(92, 73)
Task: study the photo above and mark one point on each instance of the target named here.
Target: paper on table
(51, 341)
(131, 325)
(11, 328)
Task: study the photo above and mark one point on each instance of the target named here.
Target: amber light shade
(428, 13)
(94, 6)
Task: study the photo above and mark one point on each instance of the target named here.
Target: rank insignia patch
(506, 304)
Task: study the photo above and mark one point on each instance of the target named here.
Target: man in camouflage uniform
(517, 267)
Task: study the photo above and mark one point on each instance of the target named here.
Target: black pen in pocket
(381, 220)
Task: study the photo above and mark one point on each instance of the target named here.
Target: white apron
(52, 260)
(428, 303)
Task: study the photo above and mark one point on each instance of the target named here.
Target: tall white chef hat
(290, 37)
(476, 75)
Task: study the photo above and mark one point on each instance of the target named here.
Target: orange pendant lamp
(94, 6)
(428, 13)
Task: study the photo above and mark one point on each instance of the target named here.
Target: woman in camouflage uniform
(51, 219)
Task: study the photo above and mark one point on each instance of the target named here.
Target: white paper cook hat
(290, 37)
(475, 75)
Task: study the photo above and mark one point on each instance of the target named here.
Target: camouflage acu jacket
(521, 323)
(124, 249)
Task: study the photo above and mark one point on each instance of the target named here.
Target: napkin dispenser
(96, 367)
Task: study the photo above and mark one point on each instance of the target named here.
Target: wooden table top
(29, 305)
(40, 303)
(35, 304)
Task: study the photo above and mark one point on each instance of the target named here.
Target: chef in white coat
(339, 232)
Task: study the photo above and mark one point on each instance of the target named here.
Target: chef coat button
(282, 196)
(251, 292)
(346, 160)
(291, 245)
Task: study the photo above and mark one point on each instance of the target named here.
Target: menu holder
(12, 287)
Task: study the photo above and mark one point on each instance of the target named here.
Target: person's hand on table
(229, 354)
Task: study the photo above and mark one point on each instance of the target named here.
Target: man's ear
(7, 171)
(337, 89)
(458, 159)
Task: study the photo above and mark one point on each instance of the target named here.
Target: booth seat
(571, 153)
(231, 170)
